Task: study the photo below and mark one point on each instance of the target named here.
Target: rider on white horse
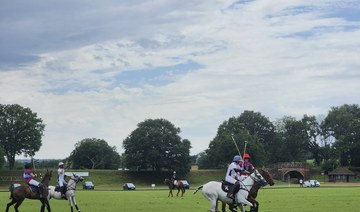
(61, 179)
(233, 176)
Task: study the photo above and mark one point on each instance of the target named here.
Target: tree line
(331, 141)
(157, 146)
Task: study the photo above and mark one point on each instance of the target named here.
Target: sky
(96, 69)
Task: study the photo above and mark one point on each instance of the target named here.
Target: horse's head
(47, 177)
(266, 176)
(77, 178)
(167, 181)
(258, 178)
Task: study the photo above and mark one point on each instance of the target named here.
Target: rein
(255, 179)
(70, 186)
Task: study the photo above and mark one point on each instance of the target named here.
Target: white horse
(213, 192)
(70, 191)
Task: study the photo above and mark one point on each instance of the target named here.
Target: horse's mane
(266, 175)
(47, 176)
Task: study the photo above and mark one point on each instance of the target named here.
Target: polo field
(294, 199)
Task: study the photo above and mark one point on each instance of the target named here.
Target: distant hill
(114, 179)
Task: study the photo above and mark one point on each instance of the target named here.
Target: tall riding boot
(41, 190)
(63, 191)
(233, 189)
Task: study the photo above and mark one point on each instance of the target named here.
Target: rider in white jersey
(61, 179)
(232, 175)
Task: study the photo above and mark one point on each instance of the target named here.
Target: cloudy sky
(95, 69)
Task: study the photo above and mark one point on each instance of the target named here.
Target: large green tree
(20, 132)
(156, 145)
(343, 123)
(251, 127)
(319, 140)
(93, 153)
(2, 157)
(294, 139)
(262, 132)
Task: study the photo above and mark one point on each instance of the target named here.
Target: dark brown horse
(254, 191)
(18, 194)
(179, 186)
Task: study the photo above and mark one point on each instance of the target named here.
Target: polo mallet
(235, 144)
(245, 147)
(33, 164)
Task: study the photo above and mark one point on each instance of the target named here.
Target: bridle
(258, 178)
(75, 179)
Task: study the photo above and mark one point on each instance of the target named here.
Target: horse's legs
(214, 205)
(74, 201)
(178, 192)
(170, 192)
(70, 202)
(256, 206)
(18, 204)
(47, 204)
(182, 192)
(10, 204)
(232, 207)
(223, 206)
(42, 205)
(242, 209)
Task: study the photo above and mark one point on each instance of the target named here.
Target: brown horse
(179, 186)
(254, 191)
(18, 194)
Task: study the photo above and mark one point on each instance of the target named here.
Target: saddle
(13, 186)
(225, 186)
(35, 189)
(57, 188)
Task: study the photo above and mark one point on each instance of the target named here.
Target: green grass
(271, 200)
(310, 199)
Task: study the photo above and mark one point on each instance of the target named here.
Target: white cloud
(275, 57)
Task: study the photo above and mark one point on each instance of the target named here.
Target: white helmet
(174, 172)
(61, 163)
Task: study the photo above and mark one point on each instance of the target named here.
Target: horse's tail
(200, 187)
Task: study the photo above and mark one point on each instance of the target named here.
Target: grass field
(271, 199)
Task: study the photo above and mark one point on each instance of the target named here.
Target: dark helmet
(27, 166)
